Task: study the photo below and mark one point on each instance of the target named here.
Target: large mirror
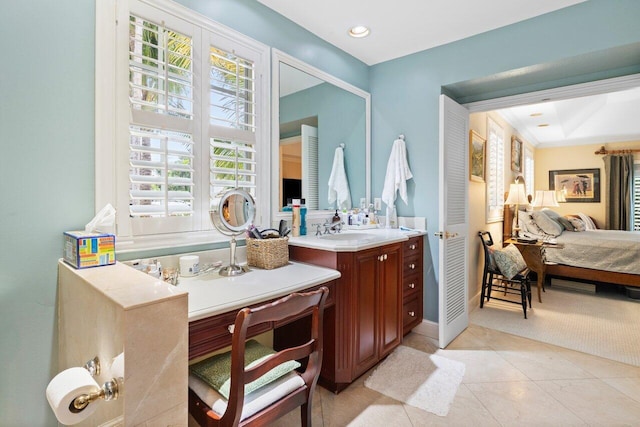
(314, 113)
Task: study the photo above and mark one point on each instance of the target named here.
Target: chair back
(489, 260)
(294, 305)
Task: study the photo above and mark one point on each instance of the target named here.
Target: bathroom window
(190, 121)
(495, 171)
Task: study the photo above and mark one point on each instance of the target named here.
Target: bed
(609, 256)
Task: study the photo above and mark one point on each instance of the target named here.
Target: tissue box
(83, 249)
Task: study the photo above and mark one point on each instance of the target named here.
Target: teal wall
(341, 119)
(405, 93)
(47, 166)
(47, 140)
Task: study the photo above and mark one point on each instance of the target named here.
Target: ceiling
(608, 117)
(404, 27)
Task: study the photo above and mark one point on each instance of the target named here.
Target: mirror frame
(278, 57)
(223, 226)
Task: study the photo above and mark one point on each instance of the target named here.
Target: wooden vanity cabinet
(412, 283)
(366, 322)
(377, 298)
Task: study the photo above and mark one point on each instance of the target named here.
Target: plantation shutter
(161, 131)
(232, 123)
(495, 172)
(636, 197)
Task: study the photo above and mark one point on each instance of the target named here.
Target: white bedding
(608, 250)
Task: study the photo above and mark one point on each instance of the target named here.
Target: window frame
(112, 112)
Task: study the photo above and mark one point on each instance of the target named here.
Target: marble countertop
(212, 294)
(354, 240)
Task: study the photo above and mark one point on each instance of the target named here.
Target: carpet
(604, 325)
(426, 381)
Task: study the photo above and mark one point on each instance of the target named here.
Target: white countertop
(354, 240)
(212, 294)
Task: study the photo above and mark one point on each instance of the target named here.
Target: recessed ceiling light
(535, 114)
(543, 125)
(359, 31)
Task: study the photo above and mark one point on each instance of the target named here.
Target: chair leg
(523, 295)
(489, 285)
(484, 287)
(305, 414)
(529, 292)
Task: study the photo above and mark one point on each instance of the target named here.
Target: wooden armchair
(270, 401)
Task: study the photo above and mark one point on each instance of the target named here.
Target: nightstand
(533, 254)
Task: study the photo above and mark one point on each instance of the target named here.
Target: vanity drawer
(411, 265)
(412, 246)
(411, 314)
(411, 284)
(211, 334)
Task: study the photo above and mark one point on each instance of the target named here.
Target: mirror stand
(232, 269)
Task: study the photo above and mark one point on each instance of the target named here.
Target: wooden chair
(492, 278)
(268, 403)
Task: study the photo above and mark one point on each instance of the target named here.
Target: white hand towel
(338, 184)
(398, 173)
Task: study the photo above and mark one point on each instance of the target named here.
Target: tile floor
(509, 381)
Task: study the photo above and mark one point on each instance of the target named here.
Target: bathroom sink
(352, 237)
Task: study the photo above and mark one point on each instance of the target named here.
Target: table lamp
(517, 197)
(545, 199)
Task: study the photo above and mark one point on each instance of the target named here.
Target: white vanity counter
(354, 240)
(212, 294)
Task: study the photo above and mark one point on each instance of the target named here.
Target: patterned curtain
(619, 172)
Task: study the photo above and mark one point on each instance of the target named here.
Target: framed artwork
(476, 156)
(578, 185)
(516, 154)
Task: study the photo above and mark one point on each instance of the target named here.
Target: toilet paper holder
(108, 391)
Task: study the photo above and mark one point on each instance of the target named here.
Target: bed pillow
(566, 223)
(588, 222)
(509, 261)
(546, 224)
(578, 224)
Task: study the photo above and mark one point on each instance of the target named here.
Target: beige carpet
(605, 325)
(426, 381)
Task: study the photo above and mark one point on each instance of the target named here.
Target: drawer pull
(412, 266)
(412, 285)
(385, 256)
(231, 328)
(412, 246)
(412, 313)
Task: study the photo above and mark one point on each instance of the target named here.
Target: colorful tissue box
(83, 249)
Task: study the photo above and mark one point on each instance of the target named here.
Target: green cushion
(216, 370)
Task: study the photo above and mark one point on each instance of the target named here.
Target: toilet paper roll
(189, 265)
(64, 388)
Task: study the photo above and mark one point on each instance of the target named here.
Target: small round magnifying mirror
(233, 215)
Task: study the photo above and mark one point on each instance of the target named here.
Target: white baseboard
(428, 329)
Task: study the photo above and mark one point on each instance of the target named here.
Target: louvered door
(453, 221)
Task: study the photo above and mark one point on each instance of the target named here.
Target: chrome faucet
(334, 226)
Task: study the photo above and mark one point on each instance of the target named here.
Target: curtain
(619, 172)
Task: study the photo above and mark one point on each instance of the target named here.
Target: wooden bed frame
(569, 272)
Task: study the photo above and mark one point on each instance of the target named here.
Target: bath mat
(426, 381)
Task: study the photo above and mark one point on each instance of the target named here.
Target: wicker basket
(268, 253)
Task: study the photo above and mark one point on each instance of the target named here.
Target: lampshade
(517, 195)
(545, 199)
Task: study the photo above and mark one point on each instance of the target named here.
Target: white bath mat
(426, 381)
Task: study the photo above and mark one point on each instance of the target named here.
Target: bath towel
(338, 184)
(398, 173)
